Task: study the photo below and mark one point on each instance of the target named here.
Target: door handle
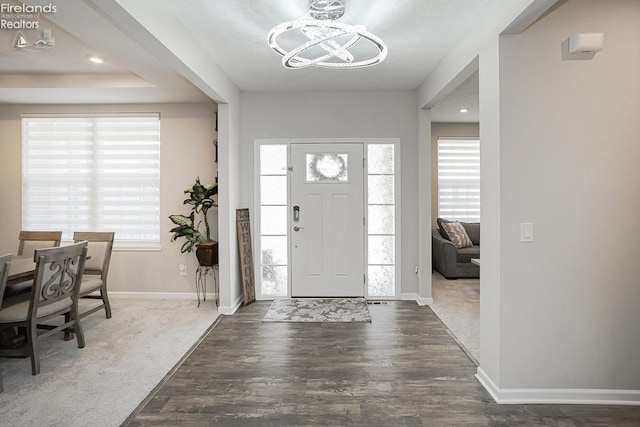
(296, 228)
(296, 214)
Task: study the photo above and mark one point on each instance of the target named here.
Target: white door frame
(398, 200)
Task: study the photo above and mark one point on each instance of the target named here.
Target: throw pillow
(442, 231)
(457, 234)
(473, 231)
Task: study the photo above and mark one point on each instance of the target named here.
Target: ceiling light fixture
(464, 110)
(328, 41)
(96, 60)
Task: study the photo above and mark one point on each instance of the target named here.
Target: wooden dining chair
(29, 242)
(32, 240)
(5, 262)
(96, 269)
(55, 292)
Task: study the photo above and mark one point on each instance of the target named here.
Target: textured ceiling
(417, 32)
(233, 34)
(464, 96)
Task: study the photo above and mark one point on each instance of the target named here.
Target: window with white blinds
(459, 179)
(93, 173)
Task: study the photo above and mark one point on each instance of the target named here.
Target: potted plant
(200, 199)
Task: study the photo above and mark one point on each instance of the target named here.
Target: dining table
(21, 268)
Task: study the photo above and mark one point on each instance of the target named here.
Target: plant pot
(207, 254)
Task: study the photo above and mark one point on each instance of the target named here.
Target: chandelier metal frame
(322, 32)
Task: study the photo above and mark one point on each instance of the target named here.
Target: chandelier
(325, 42)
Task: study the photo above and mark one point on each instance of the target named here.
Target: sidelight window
(273, 220)
(381, 211)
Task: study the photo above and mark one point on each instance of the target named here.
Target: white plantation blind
(93, 173)
(459, 179)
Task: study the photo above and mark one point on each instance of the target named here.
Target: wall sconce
(583, 46)
(586, 43)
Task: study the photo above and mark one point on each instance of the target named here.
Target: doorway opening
(455, 185)
(309, 175)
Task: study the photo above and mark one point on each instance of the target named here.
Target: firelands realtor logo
(24, 17)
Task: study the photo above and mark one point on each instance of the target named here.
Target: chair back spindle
(58, 275)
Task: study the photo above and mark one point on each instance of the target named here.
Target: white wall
(569, 158)
(490, 303)
(187, 133)
(357, 114)
(445, 130)
(230, 172)
(460, 62)
(155, 28)
(424, 208)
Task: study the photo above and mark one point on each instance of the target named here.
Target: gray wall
(187, 133)
(356, 114)
(569, 157)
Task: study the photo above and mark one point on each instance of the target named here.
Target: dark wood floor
(401, 369)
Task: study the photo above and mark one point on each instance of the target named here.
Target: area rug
(318, 310)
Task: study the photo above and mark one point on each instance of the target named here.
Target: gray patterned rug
(318, 310)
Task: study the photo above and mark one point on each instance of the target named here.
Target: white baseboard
(417, 298)
(223, 309)
(558, 396)
(159, 295)
(230, 309)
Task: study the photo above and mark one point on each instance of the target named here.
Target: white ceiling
(417, 32)
(64, 75)
(233, 35)
(464, 96)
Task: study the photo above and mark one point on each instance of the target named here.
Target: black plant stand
(201, 282)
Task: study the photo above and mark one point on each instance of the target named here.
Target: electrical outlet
(183, 269)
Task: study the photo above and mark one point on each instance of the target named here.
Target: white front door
(327, 220)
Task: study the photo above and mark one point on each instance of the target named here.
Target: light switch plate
(526, 232)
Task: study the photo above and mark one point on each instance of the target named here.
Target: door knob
(296, 228)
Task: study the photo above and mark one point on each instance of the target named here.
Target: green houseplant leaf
(200, 200)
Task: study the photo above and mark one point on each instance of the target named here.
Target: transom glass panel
(327, 167)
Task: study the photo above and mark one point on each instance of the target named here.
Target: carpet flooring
(318, 310)
(457, 304)
(101, 384)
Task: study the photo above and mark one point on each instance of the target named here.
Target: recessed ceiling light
(96, 59)
(464, 110)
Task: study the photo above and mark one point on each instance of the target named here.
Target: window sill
(137, 247)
